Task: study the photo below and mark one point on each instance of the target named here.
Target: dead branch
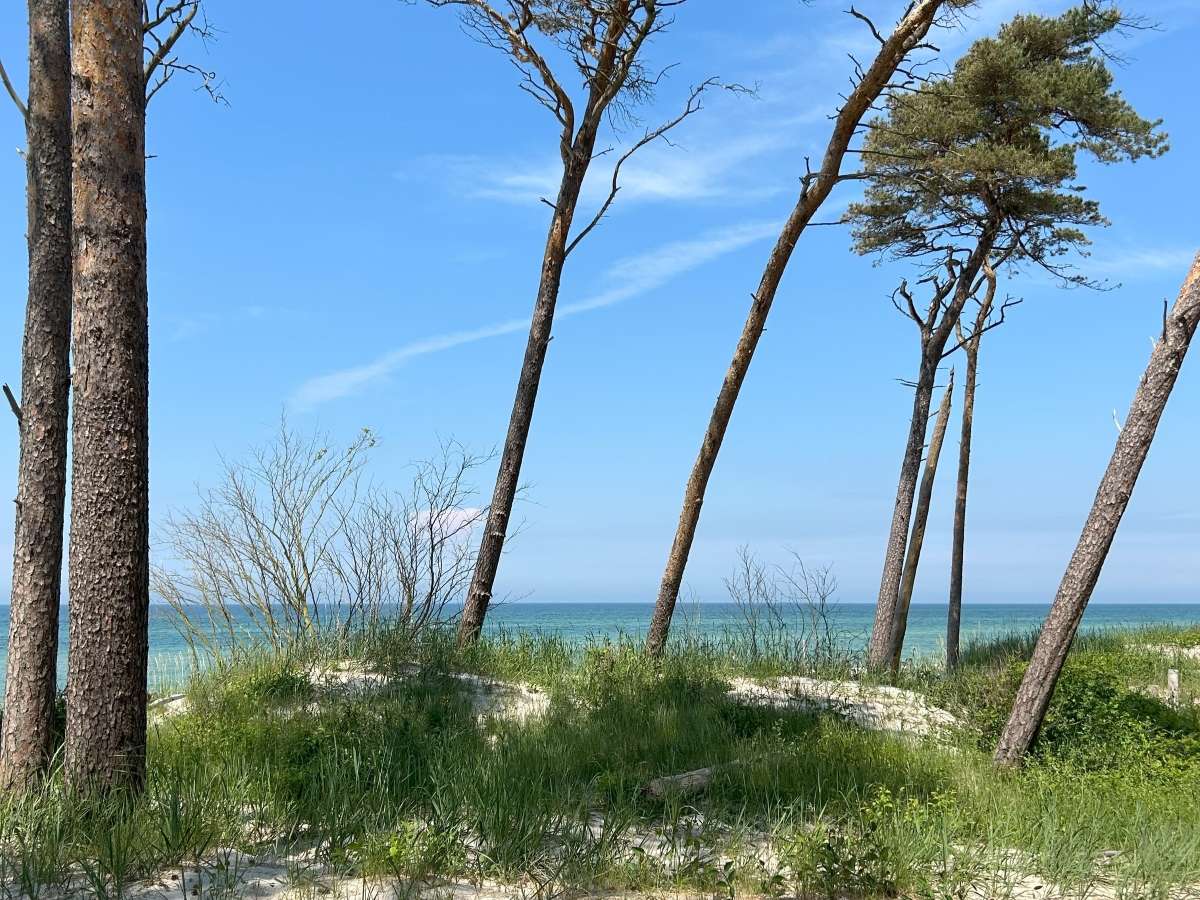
(162, 12)
(13, 404)
(871, 25)
(911, 311)
(980, 332)
(165, 45)
(692, 106)
(12, 92)
(178, 19)
(983, 319)
(509, 34)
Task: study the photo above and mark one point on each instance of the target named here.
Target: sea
(170, 661)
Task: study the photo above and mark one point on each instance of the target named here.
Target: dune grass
(411, 784)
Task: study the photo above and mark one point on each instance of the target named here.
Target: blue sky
(356, 239)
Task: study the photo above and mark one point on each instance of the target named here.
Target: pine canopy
(997, 140)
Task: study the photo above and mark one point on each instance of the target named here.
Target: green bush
(1096, 721)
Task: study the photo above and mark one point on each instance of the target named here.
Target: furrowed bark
(907, 34)
(606, 77)
(906, 491)
(109, 550)
(920, 520)
(879, 647)
(954, 611)
(26, 746)
(1112, 498)
(491, 545)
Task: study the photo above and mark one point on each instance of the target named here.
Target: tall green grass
(410, 784)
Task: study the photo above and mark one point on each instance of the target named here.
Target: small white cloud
(449, 521)
(187, 328)
(217, 323)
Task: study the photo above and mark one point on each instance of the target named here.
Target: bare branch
(166, 45)
(692, 106)
(911, 312)
(185, 17)
(12, 92)
(509, 34)
(983, 321)
(162, 13)
(871, 25)
(13, 404)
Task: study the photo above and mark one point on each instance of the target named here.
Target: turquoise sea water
(927, 624)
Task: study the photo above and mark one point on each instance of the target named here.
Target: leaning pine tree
(601, 40)
(978, 166)
(1112, 498)
(871, 82)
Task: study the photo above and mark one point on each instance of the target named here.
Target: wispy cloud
(639, 274)
(345, 382)
(1132, 262)
(628, 278)
(719, 155)
(706, 169)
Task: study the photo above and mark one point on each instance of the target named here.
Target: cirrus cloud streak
(627, 278)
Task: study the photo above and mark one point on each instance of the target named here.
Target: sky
(354, 241)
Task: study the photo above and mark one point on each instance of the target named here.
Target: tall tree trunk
(907, 34)
(933, 349)
(1116, 487)
(954, 610)
(879, 649)
(109, 552)
(495, 529)
(27, 743)
(920, 519)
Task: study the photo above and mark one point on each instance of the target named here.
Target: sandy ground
(875, 708)
(237, 875)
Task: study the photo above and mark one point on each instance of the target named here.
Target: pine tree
(981, 165)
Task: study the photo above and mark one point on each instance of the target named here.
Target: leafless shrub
(787, 607)
(295, 542)
(415, 550)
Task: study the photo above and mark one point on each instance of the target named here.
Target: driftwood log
(686, 784)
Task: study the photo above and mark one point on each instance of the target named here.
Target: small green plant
(412, 851)
(184, 832)
(883, 848)
(273, 683)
